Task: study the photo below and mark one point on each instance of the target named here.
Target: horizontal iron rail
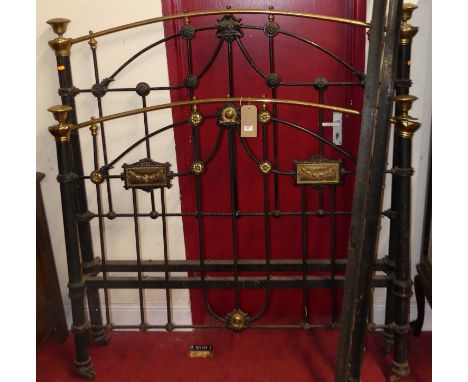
(227, 266)
(213, 100)
(176, 16)
(244, 282)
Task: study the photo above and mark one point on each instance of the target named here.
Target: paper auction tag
(248, 121)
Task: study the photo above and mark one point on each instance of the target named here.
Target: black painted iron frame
(83, 273)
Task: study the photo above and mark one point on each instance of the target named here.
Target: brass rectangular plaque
(318, 171)
(201, 351)
(146, 175)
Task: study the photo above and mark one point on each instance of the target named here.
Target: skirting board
(156, 314)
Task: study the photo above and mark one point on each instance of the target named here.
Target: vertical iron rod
(101, 231)
(304, 241)
(334, 307)
(271, 51)
(169, 324)
(143, 324)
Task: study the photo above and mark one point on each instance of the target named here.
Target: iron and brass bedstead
(386, 80)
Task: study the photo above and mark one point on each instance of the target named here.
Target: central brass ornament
(229, 28)
(96, 177)
(146, 175)
(265, 167)
(197, 167)
(229, 116)
(237, 320)
(318, 171)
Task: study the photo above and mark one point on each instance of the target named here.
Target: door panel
(294, 61)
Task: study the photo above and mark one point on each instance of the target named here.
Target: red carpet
(254, 355)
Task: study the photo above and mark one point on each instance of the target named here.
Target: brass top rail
(213, 100)
(220, 12)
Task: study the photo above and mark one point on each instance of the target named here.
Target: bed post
(76, 283)
(402, 86)
(67, 91)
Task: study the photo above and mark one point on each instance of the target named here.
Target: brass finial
(92, 41)
(408, 9)
(271, 17)
(94, 127)
(61, 132)
(407, 31)
(60, 45)
(405, 103)
(59, 25)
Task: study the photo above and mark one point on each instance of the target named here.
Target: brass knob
(59, 25)
(407, 12)
(60, 112)
(405, 102)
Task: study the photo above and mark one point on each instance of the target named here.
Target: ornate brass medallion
(96, 177)
(229, 116)
(318, 171)
(146, 175)
(237, 320)
(197, 167)
(264, 116)
(265, 167)
(195, 119)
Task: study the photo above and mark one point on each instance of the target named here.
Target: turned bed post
(67, 91)
(76, 281)
(402, 85)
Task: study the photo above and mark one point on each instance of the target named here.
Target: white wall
(112, 50)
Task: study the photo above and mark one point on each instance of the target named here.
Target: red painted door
(294, 61)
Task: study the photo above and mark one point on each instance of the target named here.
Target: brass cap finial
(407, 12)
(60, 112)
(60, 45)
(407, 31)
(92, 41)
(61, 132)
(405, 102)
(59, 25)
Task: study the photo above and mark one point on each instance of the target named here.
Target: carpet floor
(254, 355)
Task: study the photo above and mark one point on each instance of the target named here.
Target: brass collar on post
(60, 45)
(62, 131)
(404, 123)
(407, 31)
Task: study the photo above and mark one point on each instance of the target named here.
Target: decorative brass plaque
(201, 351)
(318, 171)
(146, 175)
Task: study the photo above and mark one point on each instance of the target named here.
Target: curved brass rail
(129, 113)
(219, 12)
